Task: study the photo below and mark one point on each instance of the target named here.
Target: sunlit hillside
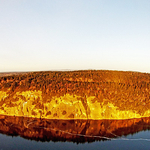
(76, 95)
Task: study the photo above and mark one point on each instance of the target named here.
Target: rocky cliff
(76, 95)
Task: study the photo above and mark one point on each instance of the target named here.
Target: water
(30, 133)
(13, 143)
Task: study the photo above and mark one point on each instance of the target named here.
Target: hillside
(87, 94)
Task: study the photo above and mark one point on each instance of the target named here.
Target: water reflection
(78, 131)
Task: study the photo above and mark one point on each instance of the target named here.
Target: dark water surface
(14, 143)
(18, 133)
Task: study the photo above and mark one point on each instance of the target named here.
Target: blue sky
(40, 35)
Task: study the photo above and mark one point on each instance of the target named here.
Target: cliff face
(70, 130)
(76, 95)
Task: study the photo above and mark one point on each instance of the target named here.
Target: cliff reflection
(78, 131)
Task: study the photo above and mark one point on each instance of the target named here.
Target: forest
(124, 89)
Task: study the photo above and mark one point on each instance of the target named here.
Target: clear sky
(38, 35)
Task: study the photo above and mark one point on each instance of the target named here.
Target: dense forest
(126, 90)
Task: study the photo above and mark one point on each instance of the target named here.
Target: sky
(39, 35)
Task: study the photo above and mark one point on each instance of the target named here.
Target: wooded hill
(125, 90)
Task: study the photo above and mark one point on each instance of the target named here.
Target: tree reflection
(78, 131)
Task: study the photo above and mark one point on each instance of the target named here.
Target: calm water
(27, 133)
(13, 143)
